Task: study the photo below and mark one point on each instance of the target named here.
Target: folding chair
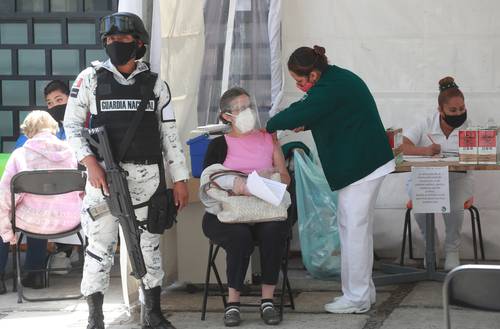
(43, 182)
(285, 286)
(474, 286)
(475, 222)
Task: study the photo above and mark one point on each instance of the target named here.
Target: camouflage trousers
(102, 233)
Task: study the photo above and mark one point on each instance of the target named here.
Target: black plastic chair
(43, 182)
(211, 266)
(473, 286)
(475, 222)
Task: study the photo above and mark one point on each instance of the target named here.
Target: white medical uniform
(460, 183)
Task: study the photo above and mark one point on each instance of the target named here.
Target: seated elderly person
(246, 149)
(44, 214)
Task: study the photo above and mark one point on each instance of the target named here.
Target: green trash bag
(317, 218)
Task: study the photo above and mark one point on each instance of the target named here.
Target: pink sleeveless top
(250, 152)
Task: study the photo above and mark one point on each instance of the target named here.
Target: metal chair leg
(479, 231)
(207, 282)
(17, 251)
(474, 239)
(14, 268)
(284, 269)
(290, 294)
(217, 276)
(403, 243)
(283, 290)
(410, 239)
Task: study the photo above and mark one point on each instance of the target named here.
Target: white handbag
(245, 209)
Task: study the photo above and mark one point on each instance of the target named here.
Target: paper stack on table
(419, 158)
(266, 189)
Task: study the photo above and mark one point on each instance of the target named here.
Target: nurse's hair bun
(447, 90)
(447, 83)
(304, 60)
(319, 50)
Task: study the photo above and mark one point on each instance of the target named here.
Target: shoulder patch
(167, 113)
(76, 88)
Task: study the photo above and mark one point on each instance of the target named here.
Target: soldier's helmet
(123, 23)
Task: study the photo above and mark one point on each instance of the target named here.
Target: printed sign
(430, 189)
(108, 105)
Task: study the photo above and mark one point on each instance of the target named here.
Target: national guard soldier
(111, 91)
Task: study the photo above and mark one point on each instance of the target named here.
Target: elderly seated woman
(43, 150)
(246, 149)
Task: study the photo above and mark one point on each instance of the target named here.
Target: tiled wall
(42, 40)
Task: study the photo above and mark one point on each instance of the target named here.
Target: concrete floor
(405, 306)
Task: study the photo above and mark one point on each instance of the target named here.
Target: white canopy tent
(401, 50)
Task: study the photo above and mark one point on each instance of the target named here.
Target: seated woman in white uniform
(437, 134)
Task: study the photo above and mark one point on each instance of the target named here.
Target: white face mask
(245, 121)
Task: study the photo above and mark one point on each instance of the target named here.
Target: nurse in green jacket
(355, 154)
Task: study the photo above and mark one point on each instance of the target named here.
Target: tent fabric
(277, 78)
(177, 37)
(402, 49)
(155, 51)
(237, 53)
(182, 43)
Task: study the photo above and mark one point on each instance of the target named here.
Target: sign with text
(430, 190)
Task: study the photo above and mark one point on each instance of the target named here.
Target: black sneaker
(269, 314)
(232, 316)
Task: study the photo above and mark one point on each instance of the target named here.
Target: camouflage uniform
(142, 179)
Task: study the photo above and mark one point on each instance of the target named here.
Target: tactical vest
(116, 108)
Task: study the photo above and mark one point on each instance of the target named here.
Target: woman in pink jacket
(37, 213)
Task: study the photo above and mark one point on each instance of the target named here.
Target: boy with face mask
(437, 134)
(56, 95)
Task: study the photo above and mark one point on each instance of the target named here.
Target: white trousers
(356, 205)
(102, 233)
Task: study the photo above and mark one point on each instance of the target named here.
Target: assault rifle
(118, 200)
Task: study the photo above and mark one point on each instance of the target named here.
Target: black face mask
(121, 52)
(57, 112)
(455, 121)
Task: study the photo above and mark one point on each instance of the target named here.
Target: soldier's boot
(153, 317)
(96, 317)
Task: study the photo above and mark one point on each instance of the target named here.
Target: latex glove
(240, 186)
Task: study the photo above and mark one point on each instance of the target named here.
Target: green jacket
(342, 115)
